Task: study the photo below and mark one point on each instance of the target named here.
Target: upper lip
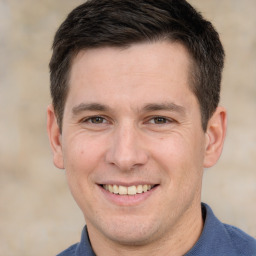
(127, 184)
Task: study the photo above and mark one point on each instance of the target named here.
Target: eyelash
(89, 120)
(104, 120)
(164, 119)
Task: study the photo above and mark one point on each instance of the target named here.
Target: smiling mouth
(131, 190)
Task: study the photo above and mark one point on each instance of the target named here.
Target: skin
(130, 118)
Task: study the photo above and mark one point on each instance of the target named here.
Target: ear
(215, 135)
(54, 137)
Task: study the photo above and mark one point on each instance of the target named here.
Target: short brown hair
(120, 23)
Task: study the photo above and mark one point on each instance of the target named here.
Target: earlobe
(54, 137)
(215, 136)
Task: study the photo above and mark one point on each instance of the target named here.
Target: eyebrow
(89, 107)
(165, 106)
(147, 108)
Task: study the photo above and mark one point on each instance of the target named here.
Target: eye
(159, 120)
(95, 120)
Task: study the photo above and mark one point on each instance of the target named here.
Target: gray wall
(36, 209)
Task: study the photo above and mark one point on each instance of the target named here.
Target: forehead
(140, 56)
(146, 71)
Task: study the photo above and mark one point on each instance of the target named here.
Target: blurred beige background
(37, 214)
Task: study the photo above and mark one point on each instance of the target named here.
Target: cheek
(82, 157)
(181, 157)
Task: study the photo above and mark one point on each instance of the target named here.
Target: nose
(126, 149)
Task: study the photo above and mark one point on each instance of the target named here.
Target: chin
(134, 238)
(131, 232)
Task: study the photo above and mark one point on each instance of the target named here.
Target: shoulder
(69, 251)
(242, 242)
(221, 239)
(83, 248)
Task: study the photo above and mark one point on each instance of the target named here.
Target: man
(134, 121)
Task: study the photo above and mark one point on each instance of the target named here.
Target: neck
(178, 241)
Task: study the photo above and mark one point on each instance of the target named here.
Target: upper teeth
(132, 190)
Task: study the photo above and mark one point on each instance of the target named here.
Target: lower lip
(127, 200)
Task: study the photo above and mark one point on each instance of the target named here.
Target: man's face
(132, 126)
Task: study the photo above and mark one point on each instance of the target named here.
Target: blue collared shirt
(217, 239)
